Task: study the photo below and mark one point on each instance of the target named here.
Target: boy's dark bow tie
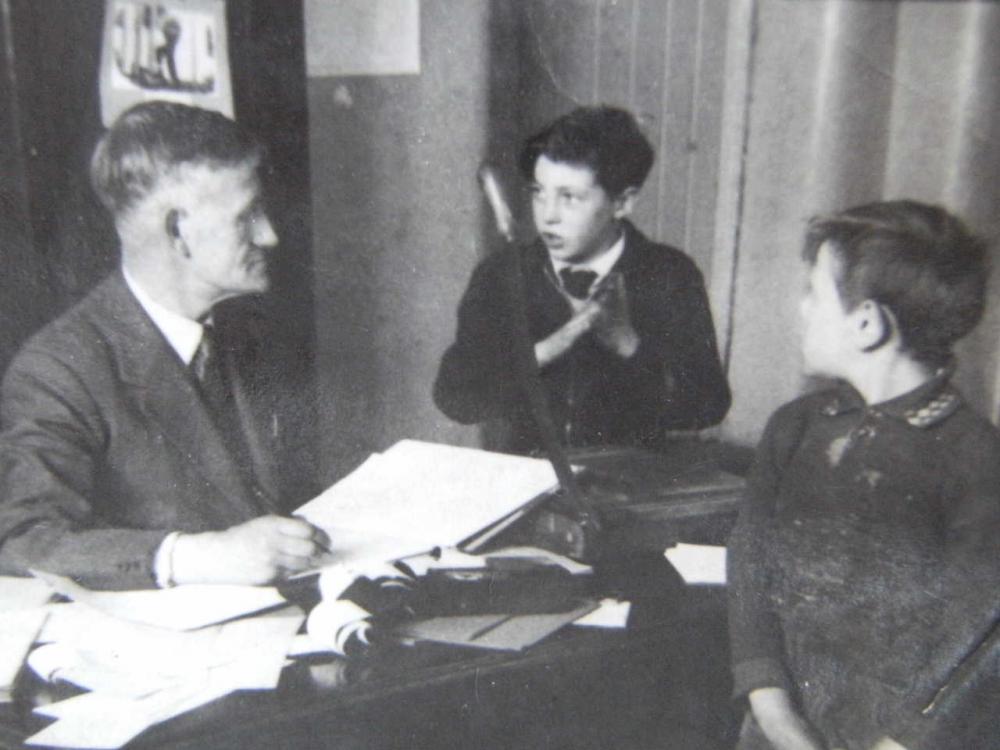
(577, 283)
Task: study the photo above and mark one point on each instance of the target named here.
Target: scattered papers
(141, 675)
(698, 563)
(417, 496)
(504, 632)
(17, 632)
(100, 652)
(610, 613)
(21, 617)
(93, 720)
(179, 608)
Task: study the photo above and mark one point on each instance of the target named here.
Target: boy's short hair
(917, 260)
(149, 140)
(605, 139)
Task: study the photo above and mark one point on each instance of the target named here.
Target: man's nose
(263, 233)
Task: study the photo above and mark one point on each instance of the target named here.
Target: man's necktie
(208, 369)
(577, 283)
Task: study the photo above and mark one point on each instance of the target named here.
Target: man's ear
(173, 226)
(625, 202)
(872, 325)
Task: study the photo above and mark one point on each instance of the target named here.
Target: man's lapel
(166, 394)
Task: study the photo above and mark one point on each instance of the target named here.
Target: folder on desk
(503, 632)
(417, 496)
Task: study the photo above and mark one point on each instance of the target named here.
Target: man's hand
(780, 722)
(548, 350)
(256, 552)
(613, 328)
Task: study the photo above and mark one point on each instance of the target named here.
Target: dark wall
(56, 241)
(22, 280)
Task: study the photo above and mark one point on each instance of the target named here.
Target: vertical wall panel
(614, 51)
(765, 363)
(647, 92)
(397, 228)
(853, 102)
(705, 136)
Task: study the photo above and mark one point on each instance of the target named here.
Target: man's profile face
(574, 216)
(826, 323)
(226, 230)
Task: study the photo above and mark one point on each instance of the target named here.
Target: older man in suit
(137, 448)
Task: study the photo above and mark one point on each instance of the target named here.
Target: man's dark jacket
(674, 381)
(107, 447)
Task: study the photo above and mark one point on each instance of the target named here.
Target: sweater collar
(928, 404)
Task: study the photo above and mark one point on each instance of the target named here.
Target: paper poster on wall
(362, 37)
(168, 49)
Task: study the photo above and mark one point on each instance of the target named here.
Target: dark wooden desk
(662, 680)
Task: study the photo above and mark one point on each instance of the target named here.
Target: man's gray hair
(151, 139)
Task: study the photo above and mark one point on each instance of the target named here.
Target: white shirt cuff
(163, 561)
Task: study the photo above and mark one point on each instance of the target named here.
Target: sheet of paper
(426, 495)
(22, 593)
(105, 722)
(18, 629)
(610, 613)
(698, 563)
(179, 608)
(21, 618)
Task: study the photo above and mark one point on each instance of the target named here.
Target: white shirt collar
(601, 265)
(183, 334)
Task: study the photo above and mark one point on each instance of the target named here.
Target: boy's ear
(872, 325)
(625, 202)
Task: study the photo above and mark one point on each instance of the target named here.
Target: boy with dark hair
(864, 567)
(622, 333)
(606, 139)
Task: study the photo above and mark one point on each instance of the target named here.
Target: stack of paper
(417, 496)
(129, 649)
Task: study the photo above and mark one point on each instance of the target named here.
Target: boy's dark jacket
(866, 565)
(674, 381)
